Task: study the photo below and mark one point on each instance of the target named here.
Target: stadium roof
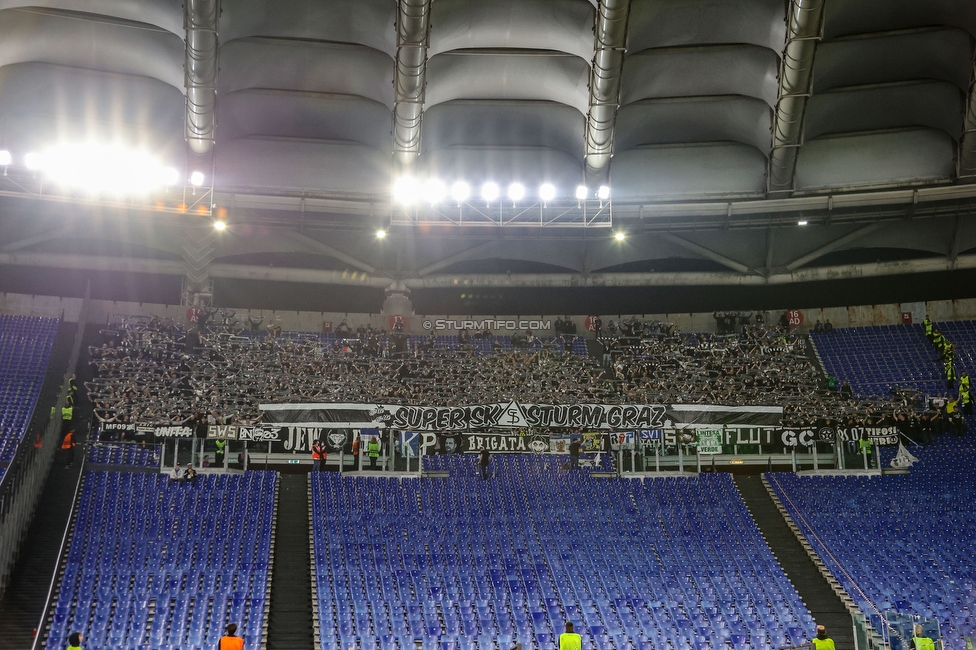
(719, 125)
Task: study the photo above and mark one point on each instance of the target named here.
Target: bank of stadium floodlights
(105, 174)
(432, 201)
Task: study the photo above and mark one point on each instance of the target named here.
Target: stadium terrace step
(290, 615)
(814, 588)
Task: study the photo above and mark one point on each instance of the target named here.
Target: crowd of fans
(153, 371)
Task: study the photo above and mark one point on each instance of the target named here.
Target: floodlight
(802, 223)
(603, 193)
(547, 192)
(581, 192)
(434, 191)
(5, 158)
(516, 191)
(196, 179)
(406, 190)
(489, 191)
(32, 161)
(220, 225)
(380, 234)
(619, 236)
(460, 191)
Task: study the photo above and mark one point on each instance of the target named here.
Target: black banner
(518, 415)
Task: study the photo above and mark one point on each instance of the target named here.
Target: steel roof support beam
(705, 252)
(413, 37)
(608, 59)
(200, 70)
(795, 75)
(832, 246)
(967, 146)
(325, 249)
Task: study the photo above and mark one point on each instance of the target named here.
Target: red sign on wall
(906, 318)
(590, 323)
(327, 326)
(393, 320)
(794, 317)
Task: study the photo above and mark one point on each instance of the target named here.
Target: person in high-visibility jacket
(964, 381)
(822, 641)
(373, 449)
(220, 445)
(965, 398)
(231, 641)
(920, 641)
(74, 641)
(68, 449)
(929, 328)
(570, 640)
(318, 454)
(950, 374)
(864, 447)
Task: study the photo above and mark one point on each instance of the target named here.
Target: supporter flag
(621, 440)
(709, 441)
(592, 441)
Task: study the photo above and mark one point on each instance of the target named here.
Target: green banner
(709, 441)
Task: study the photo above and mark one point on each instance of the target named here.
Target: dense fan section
(512, 559)
(166, 564)
(25, 347)
(902, 543)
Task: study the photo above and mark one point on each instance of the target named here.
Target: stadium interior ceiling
(758, 153)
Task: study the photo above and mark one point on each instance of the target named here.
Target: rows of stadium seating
(873, 359)
(166, 564)
(478, 346)
(25, 347)
(902, 542)
(962, 334)
(125, 454)
(465, 562)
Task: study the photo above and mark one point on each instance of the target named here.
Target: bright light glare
(434, 191)
(547, 192)
(380, 234)
(102, 168)
(516, 191)
(220, 225)
(5, 158)
(581, 192)
(801, 223)
(460, 191)
(620, 236)
(489, 191)
(196, 179)
(603, 193)
(406, 190)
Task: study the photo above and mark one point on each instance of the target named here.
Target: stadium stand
(466, 563)
(166, 564)
(25, 347)
(128, 454)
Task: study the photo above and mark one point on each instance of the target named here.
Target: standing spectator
(818, 327)
(74, 641)
(373, 449)
(570, 640)
(485, 456)
(929, 329)
(828, 327)
(318, 451)
(68, 449)
(822, 641)
(598, 326)
(231, 641)
(574, 453)
(864, 448)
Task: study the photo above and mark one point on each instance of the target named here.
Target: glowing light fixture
(196, 179)
(380, 234)
(581, 192)
(220, 225)
(170, 177)
(802, 223)
(603, 193)
(32, 161)
(489, 191)
(406, 190)
(516, 191)
(547, 191)
(434, 191)
(460, 191)
(5, 158)
(619, 236)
